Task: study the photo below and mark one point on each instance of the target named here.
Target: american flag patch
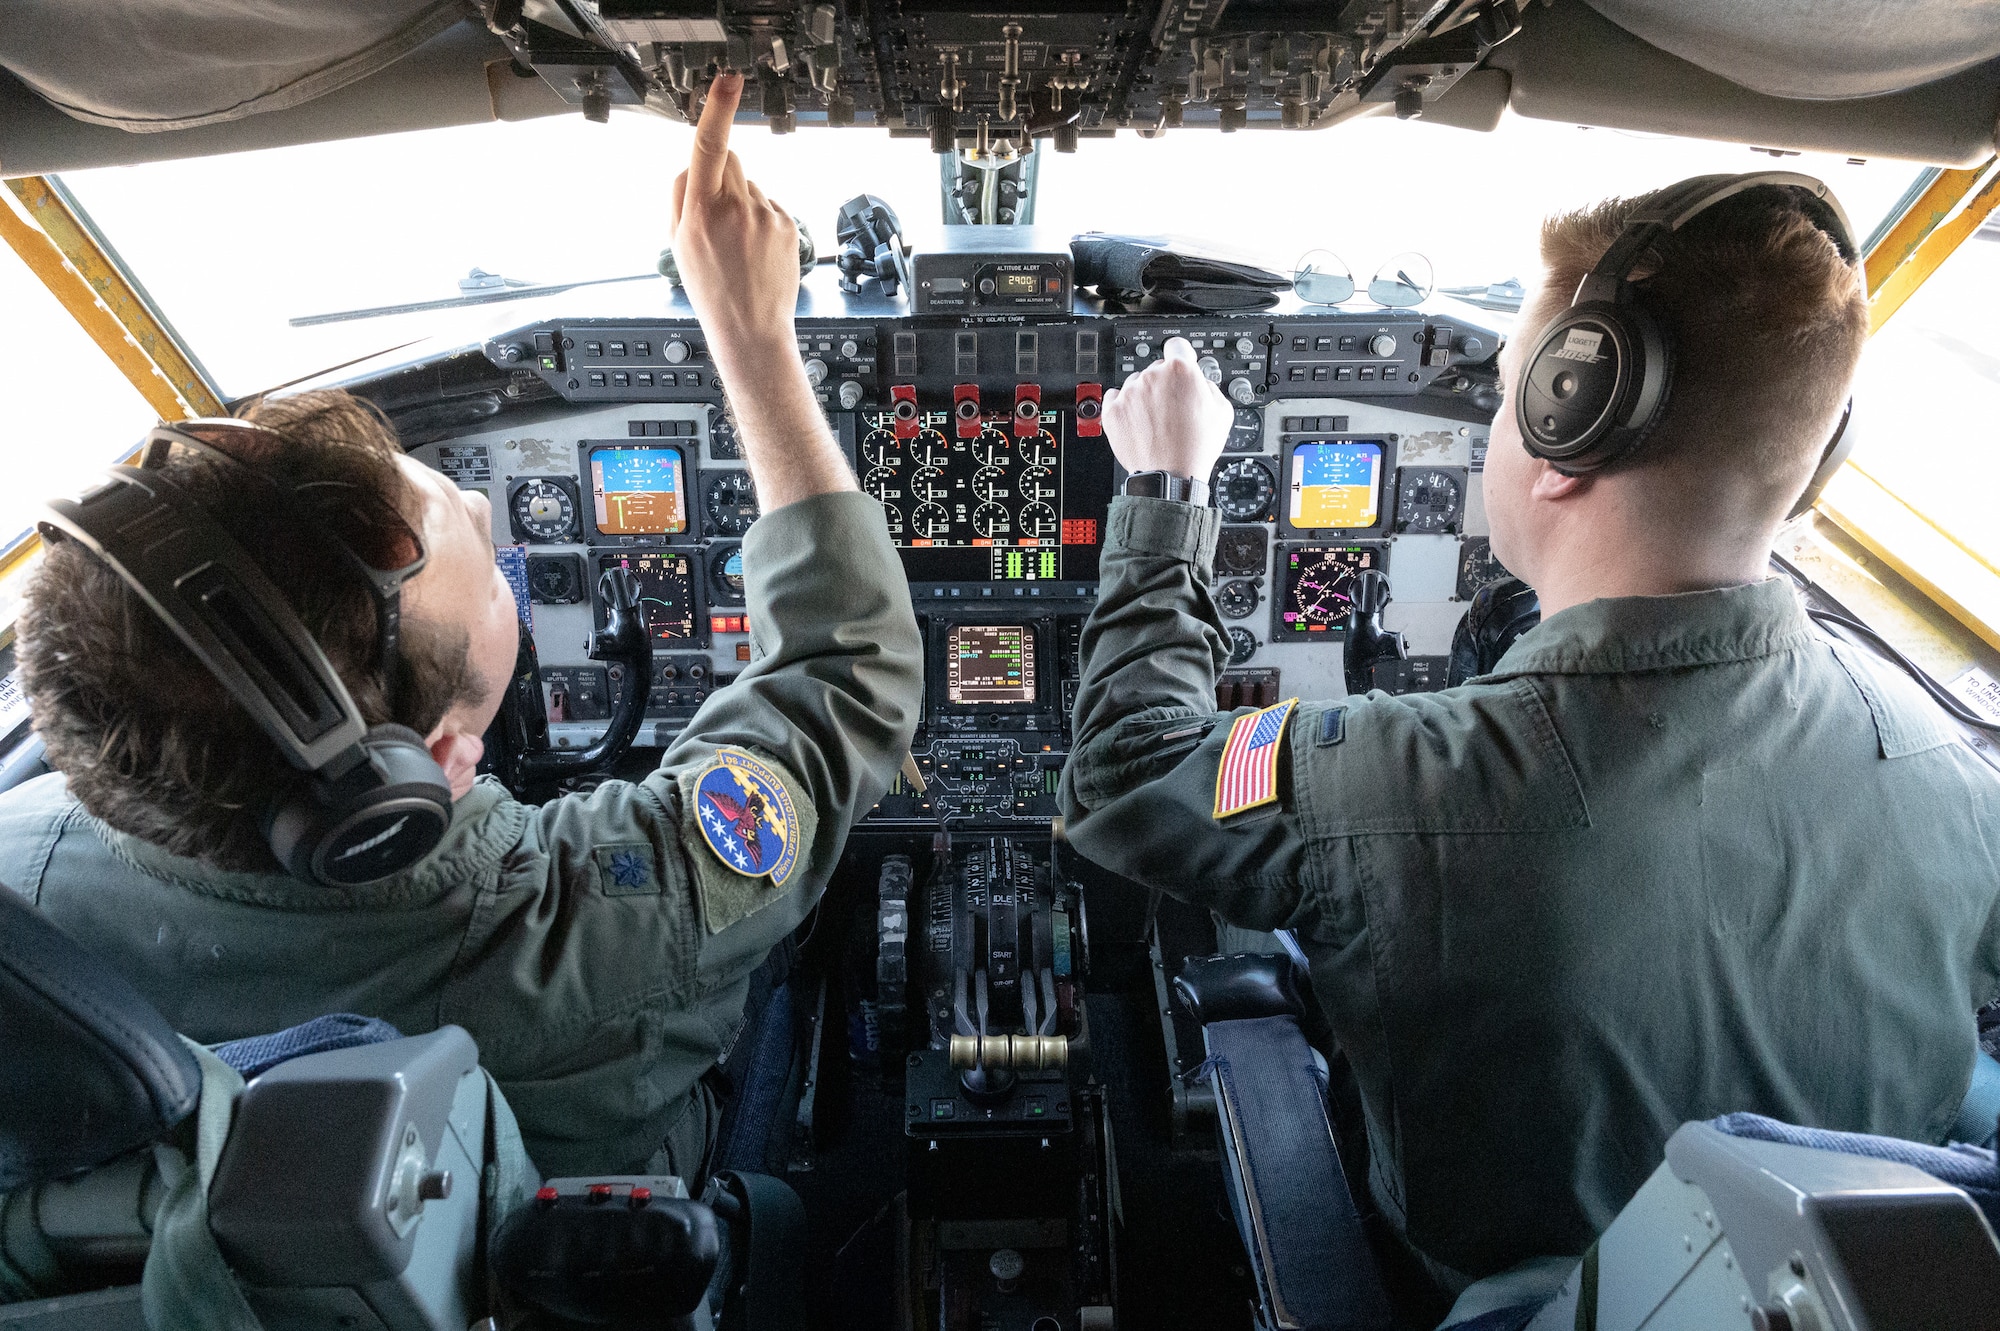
(1248, 773)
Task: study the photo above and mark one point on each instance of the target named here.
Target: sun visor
(1818, 49)
(152, 65)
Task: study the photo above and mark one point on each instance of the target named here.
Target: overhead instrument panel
(941, 69)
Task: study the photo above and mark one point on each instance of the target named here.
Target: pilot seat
(1747, 1223)
(334, 1175)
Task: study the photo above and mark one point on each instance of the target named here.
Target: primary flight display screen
(990, 664)
(1336, 483)
(997, 507)
(1319, 587)
(638, 491)
(666, 592)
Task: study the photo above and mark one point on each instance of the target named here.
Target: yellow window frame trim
(64, 253)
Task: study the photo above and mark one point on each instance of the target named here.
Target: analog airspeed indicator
(543, 510)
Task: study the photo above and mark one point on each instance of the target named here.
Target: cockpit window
(1931, 382)
(65, 410)
(234, 248)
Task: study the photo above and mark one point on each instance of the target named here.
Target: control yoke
(1368, 643)
(517, 743)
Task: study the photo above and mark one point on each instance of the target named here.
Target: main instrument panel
(1358, 442)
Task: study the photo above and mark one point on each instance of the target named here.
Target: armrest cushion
(1238, 988)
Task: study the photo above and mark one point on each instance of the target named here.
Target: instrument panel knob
(1211, 369)
(677, 351)
(1245, 348)
(850, 394)
(849, 349)
(510, 352)
(1382, 344)
(816, 371)
(1241, 391)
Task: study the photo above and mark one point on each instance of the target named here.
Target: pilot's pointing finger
(707, 165)
(1180, 349)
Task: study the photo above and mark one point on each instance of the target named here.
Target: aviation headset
(376, 801)
(1597, 381)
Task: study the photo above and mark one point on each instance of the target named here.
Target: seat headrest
(91, 1068)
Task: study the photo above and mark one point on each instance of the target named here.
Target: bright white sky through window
(232, 247)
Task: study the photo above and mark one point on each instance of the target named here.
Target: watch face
(1147, 484)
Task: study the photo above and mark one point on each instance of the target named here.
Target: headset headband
(1677, 205)
(204, 586)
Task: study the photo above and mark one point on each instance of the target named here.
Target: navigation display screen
(1318, 582)
(638, 491)
(666, 592)
(1336, 483)
(993, 508)
(988, 664)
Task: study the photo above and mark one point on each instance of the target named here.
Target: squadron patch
(746, 816)
(1247, 775)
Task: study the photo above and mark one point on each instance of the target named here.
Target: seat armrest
(1238, 988)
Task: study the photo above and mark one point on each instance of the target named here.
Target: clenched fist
(1168, 417)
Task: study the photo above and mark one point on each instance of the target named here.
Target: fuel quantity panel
(1358, 442)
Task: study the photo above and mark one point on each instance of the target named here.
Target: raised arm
(738, 254)
(1138, 793)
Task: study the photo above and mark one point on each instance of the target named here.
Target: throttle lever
(1368, 643)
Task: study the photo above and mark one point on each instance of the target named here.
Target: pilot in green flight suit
(598, 948)
(1677, 855)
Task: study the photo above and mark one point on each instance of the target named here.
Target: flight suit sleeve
(1138, 795)
(821, 717)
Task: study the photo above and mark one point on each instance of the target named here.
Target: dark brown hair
(148, 739)
(1767, 322)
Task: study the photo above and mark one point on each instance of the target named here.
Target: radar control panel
(1358, 443)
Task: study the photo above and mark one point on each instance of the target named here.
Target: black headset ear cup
(1593, 386)
(376, 820)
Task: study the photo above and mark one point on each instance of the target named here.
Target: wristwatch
(1166, 485)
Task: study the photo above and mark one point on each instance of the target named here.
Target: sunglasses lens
(1322, 278)
(1403, 281)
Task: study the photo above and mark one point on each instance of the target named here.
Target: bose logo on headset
(1597, 380)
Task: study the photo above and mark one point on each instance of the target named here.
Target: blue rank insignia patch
(626, 871)
(746, 816)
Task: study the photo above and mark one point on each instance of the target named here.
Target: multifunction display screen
(666, 592)
(989, 664)
(638, 491)
(993, 508)
(1318, 585)
(1336, 483)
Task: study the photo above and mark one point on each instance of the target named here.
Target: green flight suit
(595, 947)
(1676, 856)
